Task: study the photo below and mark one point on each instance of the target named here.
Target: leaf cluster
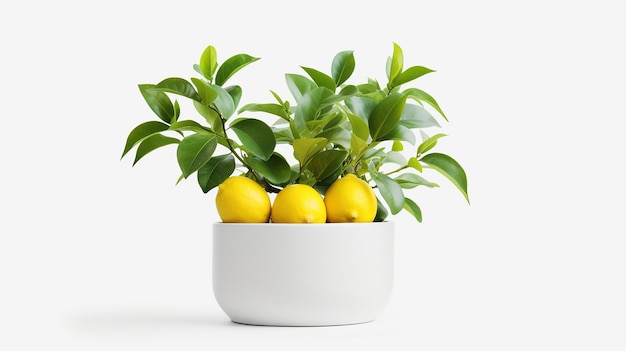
(332, 128)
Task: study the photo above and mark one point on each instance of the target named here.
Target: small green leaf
(205, 91)
(411, 180)
(422, 96)
(158, 101)
(151, 143)
(415, 164)
(410, 74)
(224, 102)
(141, 132)
(208, 62)
(320, 78)
(276, 169)
(271, 108)
(396, 62)
(327, 163)
(411, 207)
(214, 172)
(342, 66)
(178, 86)
(450, 168)
(194, 151)
(397, 146)
(429, 143)
(305, 148)
(299, 85)
(415, 116)
(390, 191)
(256, 136)
(231, 66)
(386, 115)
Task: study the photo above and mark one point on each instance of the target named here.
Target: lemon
(242, 200)
(350, 199)
(298, 203)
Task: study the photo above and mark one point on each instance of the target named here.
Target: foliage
(333, 128)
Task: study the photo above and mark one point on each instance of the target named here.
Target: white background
(98, 255)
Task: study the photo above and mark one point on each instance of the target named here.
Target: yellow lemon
(350, 199)
(242, 200)
(298, 203)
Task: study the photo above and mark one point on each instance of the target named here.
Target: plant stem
(232, 149)
(397, 170)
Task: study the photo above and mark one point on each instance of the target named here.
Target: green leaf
(320, 78)
(151, 143)
(359, 126)
(224, 102)
(390, 191)
(396, 62)
(361, 106)
(231, 66)
(158, 101)
(371, 86)
(337, 135)
(299, 85)
(357, 146)
(386, 115)
(422, 96)
(141, 132)
(401, 133)
(271, 108)
(308, 106)
(397, 146)
(415, 116)
(429, 143)
(189, 125)
(235, 93)
(178, 86)
(327, 163)
(342, 66)
(210, 115)
(194, 151)
(205, 91)
(411, 180)
(215, 171)
(276, 169)
(411, 207)
(256, 136)
(381, 211)
(208, 62)
(345, 93)
(415, 164)
(410, 74)
(450, 168)
(305, 148)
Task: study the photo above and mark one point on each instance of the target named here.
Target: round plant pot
(303, 274)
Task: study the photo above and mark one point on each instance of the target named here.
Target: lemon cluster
(348, 199)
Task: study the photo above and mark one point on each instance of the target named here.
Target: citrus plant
(334, 130)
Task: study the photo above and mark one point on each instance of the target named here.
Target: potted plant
(334, 156)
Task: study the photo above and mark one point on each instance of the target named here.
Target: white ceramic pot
(303, 274)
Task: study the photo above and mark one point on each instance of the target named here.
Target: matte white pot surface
(302, 274)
